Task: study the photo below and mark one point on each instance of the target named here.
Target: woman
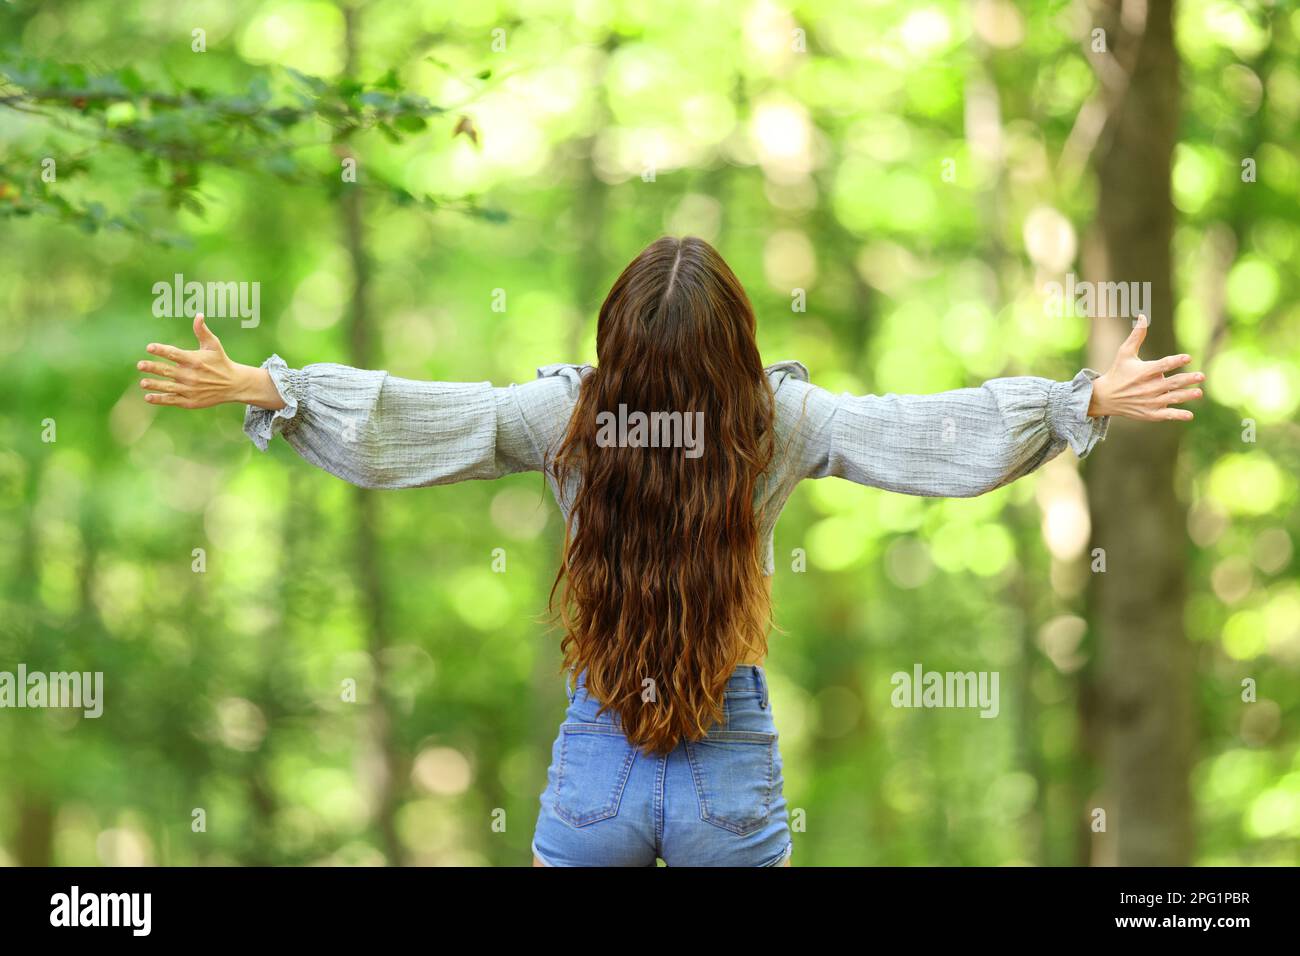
(671, 460)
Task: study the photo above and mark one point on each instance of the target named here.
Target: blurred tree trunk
(35, 843)
(383, 759)
(33, 809)
(1143, 693)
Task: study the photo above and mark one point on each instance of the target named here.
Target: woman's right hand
(1141, 390)
(205, 376)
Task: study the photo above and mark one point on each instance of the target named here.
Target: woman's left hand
(1140, 390)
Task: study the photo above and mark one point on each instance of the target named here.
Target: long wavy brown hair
(661, 578)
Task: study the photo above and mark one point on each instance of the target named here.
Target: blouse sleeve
(380, 431)
(953, 444)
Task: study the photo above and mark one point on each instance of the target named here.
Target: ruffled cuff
(262, 424)
(1068, 413)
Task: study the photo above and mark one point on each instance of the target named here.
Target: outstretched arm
(969, 441)
(367, 427)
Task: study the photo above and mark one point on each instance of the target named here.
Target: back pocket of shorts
(734, 773)
(595, 760)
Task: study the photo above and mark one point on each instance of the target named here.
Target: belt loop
(568, 684)
(761, 679)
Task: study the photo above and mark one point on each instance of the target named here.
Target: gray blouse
(379, 431)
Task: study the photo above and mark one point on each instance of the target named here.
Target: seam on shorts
(545, 862)
(780, 857)
(659, 801)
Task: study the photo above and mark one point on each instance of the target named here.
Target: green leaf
(259, 90)
(313, 83)
(282, 164)
(285, 116)
(378, 99)
(130, 80)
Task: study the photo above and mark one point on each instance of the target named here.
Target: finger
(156, 368)
(179, 356)
(1136, 337)
(1183, 395)
(159, 398)
(159, 385)
(1173, 415)
(1185, 380)
(204, 334)
(1170, 362)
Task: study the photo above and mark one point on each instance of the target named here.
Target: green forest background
(921, 171)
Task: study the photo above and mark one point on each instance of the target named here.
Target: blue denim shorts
(715, 802)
